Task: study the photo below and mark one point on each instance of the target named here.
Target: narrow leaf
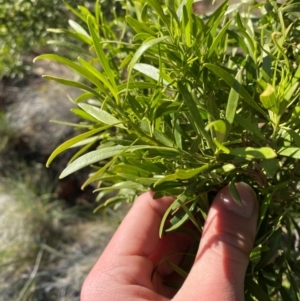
(256, 290)
(101, 115)
(254, 153)
(220, 129)
(78, 28)
(138, 26)
(178, 270)
(100, 53)
(104, 153)
(196, 119)
(234, 193)
(182, 174)
(100, 76)
(157, 6)
(293, 152)
(144, 47)
(79, 69)
(233, 83)
(71, 83)
(233, 98)
(71, 142)
(152, 72)
(269, 100)
(274, 245)
(251, 128)
(90, 158)
(218, 38)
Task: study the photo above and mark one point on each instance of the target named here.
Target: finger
(125, 261)
(227, 240)
(138, 233)
(172, 248)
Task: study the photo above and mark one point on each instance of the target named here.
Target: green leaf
(254, 153)
(178, 270)
(294, 85)
(269, 100)
(83, 115)
(159, 136)
(166, 215)
(71, 142)
(177, 221)
(182, 202)
(158, 8)
(104, 153)
(233, 83)
(182, 174)
(74, 11)
(139, 36)
(139, 27)
(221, 147)
(111, 201)
(78, 28)
(100, 76)
(71, 34)
(71, 83)
(101, 115)
(255, 255)
(228, 167)
(256, 290)
(270, 167)
(294, 7)
(220, 128)
(144, 47)
(152, 72)
(216, 18)
(233, 98)
(136, 85)
(121, 185)
(239, 40)
(274, 245)
(79, 69)
(250, 127)
(101, 171)
(83, 150)
(90, 158)
(187, 26)
(100, 53)
(131, 169)
(285, 294)
(234, 193)
(188, 4)
(218, 38)
(195, 117)
(69, 46)
(267, 62)
(293, 152)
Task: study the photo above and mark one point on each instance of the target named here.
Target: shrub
(23, 27)
(184, 105)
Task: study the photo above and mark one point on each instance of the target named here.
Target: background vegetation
(23, 31)
(47, 243)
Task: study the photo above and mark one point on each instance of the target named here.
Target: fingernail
(248, 198)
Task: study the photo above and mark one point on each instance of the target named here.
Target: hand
(124, 270)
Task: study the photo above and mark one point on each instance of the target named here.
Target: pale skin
(124, 270)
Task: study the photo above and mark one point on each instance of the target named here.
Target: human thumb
(219, 270)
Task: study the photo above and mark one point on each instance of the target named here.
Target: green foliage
(184, 105)
(6, 133)
(23, 25)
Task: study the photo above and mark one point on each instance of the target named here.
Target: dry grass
(45, 250)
